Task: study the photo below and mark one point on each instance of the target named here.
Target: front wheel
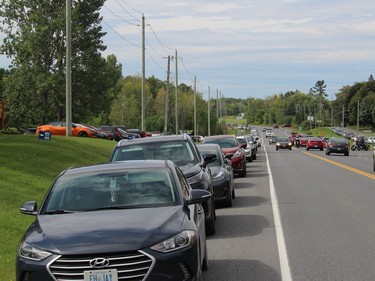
(353, 147)
(82, 134)
(366, 147)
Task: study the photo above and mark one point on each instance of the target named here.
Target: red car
(314, 143)
(232, 150)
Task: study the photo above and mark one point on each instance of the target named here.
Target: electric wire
(110, 27)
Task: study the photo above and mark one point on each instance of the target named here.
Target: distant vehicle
(249, 149)
(314, 143)
(283, 143)
(231, 145)
(276, 126)
(371, 139)
(118, 132)
(58, 128)
(269, 133)
(222, 174)
(272, 139)
(118, 221)
(337, 145)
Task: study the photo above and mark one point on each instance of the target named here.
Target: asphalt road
(326, 206)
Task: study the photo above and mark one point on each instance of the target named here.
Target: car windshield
(224, 142)
(283, 140)
(122, 189)
(177, 151)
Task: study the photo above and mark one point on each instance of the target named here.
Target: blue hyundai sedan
(133, 220)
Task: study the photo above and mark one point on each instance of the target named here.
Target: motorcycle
(297, 142)
(360, 146)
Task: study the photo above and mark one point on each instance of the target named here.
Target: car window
(131, 188)
(217, 162)
(184, 185)
(224, 142)
(179, 152)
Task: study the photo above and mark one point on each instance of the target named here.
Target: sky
(245, 48)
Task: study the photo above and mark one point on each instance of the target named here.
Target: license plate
(338, 148)
(100, 275)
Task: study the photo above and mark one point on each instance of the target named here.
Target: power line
(120, 35)
(127, 10)
(119, 16)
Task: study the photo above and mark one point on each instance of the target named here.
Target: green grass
(28, 167)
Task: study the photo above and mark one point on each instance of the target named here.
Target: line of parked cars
(116, 133)
(142, 216)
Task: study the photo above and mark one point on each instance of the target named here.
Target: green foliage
(35, 40)
(28, 168)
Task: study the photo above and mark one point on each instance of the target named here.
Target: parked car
(371, 139)
(269, 133)
(315, 143)
(117, 131)
(180, 149)
(222, 174)
(101, 134)
(337, 145)
(232, 147)
(252, 140)
(99, 223)
(250, 149)
(58, 128)
(283, 143)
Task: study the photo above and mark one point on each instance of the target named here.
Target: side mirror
(244, 145)
(208, 158)
(198, 196)
(29, 208)
(229, 156)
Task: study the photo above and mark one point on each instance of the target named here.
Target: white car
(371, 139)
(269, 133)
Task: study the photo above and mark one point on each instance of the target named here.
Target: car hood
(189, 170)
(230, 150)
(105, 231)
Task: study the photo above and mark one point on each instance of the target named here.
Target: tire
(234, 192)
(210, 223)
(366, 148)
(353, 147)
(255, 156)
(244, 171)
(328, 152)
(346, 153)
(83, 134)
(307, 148)
(277, 148)
(290, 148)
(229, 201)
(205, 260)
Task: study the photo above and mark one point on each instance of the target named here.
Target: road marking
(371, 176)
(283, 257)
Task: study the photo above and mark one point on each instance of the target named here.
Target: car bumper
(176, 265)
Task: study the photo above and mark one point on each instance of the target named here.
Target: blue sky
(246, 48)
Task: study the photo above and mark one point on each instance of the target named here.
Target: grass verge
(28, 167)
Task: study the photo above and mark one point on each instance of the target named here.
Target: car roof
(220, 137)
(209, 146)
(153, 139)
(121, 165)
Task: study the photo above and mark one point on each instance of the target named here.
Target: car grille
(133, 266)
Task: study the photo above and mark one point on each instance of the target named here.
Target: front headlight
(28, 252)
(180, 241)
(237, 154)
(196, 178)
(219, 176)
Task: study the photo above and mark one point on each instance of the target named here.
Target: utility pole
(209, 113)
(357, 118)
(343, 113)
(167, 99)
(217, 103)
(143, 74)
(176, 103)
(68, 78)
(195, 106)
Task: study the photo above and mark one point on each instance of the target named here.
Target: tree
(35, 40)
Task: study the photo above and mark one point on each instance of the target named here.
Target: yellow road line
(371, 176)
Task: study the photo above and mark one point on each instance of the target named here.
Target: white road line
(284, 262)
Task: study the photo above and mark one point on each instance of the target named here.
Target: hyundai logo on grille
(99, 263)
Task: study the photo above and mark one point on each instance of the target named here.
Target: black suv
(184, 153)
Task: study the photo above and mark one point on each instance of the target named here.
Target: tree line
(34, 84)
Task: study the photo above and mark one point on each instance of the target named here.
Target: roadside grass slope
(27, 168)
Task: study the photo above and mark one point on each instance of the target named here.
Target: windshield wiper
(59, 211)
